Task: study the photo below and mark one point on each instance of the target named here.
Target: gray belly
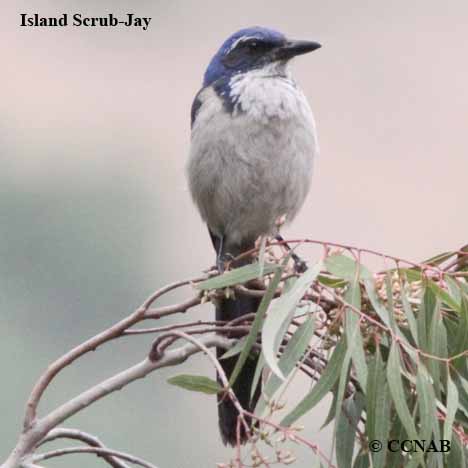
(244, 174)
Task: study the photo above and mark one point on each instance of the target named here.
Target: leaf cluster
(390, 346)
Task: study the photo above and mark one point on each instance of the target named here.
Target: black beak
(293, 48)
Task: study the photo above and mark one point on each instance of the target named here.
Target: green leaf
(293, 353)
(452, 406)
(412, 324)
(398, 393)
(378, 407)
(435, 459)
(389, 291)
(306, 309)
(196, 383)
(387, 316)
(412, 274)
(426, 312)
(382, 423)
(353, 332)
(462, 387)
(394, 458)
(426, 402)
(236, 349)
(414, 462)
(345, 431)
(384, 314)
(329, 376)
(289, 283)
(461, 339)
(437, 346)
(346, 268)
(454, 289)
(257, 375)
(295, 349)
(444, 296)
(438, 259)
(332, 410)
(331, 282)
(362, 460)
(237, 276)
(258, 321)
(280, 315)
(464, 286)
(456, 456)
(344, 378)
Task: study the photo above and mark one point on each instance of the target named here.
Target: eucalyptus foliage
(390, 346)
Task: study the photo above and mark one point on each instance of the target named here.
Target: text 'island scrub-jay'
(252, 147)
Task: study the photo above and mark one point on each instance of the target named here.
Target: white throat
(265, 93)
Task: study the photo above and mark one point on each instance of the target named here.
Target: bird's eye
(253, 45)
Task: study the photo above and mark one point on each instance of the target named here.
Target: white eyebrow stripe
(241, 39)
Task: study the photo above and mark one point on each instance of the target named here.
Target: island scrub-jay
(252, 147)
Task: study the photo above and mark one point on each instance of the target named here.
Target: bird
(253, 143)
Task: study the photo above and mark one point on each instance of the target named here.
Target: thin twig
(99, 451)
(172, 309)
(293, 436)
(75, 434)
(138, 371)
(221, 374)
(32, 436)
(97, 340)
(145, 331)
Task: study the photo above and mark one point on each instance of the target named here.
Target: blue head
(253, 48)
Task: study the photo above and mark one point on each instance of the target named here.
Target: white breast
(247, 169)
(268, 93)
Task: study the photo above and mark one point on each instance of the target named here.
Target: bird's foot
(299, 265)
(221, 261)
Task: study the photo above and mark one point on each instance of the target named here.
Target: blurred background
(94, 208)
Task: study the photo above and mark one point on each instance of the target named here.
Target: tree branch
(31, 437)
(93, 343)
(325, 300)
(169, 358)
(89, 439)
(100, 451)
